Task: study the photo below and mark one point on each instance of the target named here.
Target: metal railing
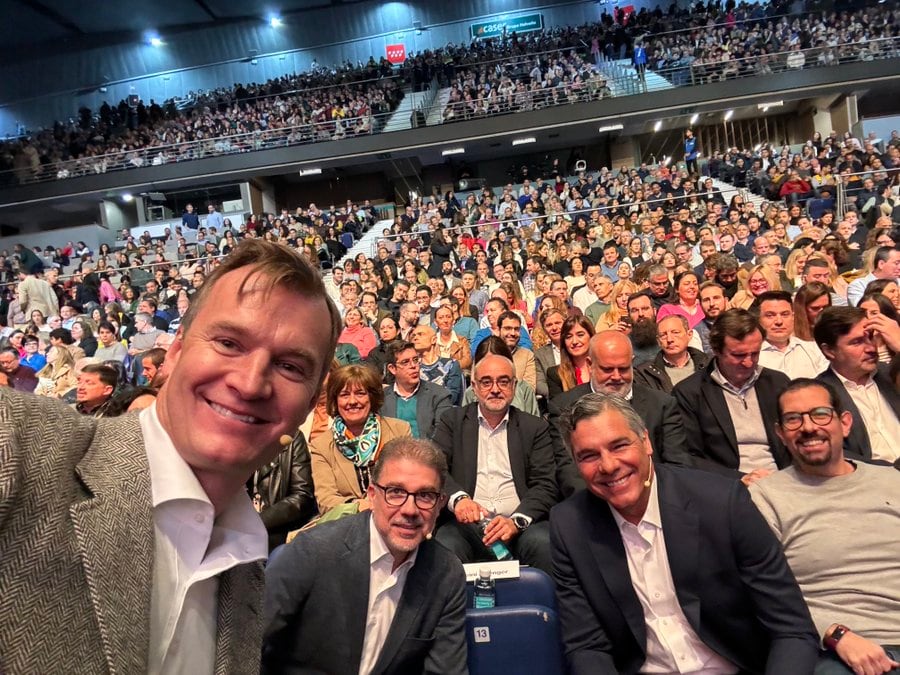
(615, 80)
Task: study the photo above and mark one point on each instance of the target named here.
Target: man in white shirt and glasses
(501, 468)
(371, 593)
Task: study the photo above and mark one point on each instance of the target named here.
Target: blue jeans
(830, 664)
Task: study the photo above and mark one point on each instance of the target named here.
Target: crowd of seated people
(867, 167)
(481, 323)
(743, 46)
(704, 44)
(291, 110)
(488, 77)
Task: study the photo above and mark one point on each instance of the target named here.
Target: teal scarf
(360, 450)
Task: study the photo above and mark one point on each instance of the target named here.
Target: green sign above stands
(519, 24)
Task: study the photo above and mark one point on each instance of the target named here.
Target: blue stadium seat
(521, 639)
(533, 587)
(817, 207)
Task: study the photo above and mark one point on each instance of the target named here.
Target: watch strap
(458, 499)
(830, 641)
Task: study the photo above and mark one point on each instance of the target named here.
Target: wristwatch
(458, 499)
(830, 641)
(520, 521)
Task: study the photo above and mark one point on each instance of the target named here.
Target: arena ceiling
(29, 23)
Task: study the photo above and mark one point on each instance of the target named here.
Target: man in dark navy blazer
(661, 568)
(846, 337)
(371, 592)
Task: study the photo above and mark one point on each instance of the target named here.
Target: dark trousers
(531, 547)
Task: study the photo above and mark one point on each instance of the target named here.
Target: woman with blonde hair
(794, 265)
(758, 280)
(58, 377)
(618, 305)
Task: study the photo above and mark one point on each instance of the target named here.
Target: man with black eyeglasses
(501, 468)
(840, 534)
(411, 398)
(371, 593)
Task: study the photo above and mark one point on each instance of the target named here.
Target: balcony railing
(610, 78)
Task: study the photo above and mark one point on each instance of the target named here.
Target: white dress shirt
(672, 644)
(193, 547)
(801, 358)
(495, 489)
(882, 425)
(385, 590)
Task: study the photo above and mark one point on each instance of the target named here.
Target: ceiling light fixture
(728, 115)
(694, 118)
(315, 171)
(524, 141)
(658, 125)
(452, 151)
(611, 127)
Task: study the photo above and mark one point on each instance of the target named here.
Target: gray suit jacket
(543, 361)
(317, 595)
(432, 400)
(77, 546)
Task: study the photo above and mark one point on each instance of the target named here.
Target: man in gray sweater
(839, 523)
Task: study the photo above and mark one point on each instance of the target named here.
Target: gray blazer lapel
(115, 539)
(239, 620)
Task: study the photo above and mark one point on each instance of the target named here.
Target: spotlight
(658, 125)
(694, 118)
(728, 115)
(156, 42)
(275, 21)
(126, 197)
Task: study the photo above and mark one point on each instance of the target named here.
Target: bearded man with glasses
(501, 468)
(371, 593)
(840, 533)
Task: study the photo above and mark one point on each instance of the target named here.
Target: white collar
(651, 514)
(483, 421)
(172, 477)
(173, 480)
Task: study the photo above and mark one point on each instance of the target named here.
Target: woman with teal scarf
(342, 458)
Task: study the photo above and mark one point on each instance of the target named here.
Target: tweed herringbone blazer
(77, 546)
